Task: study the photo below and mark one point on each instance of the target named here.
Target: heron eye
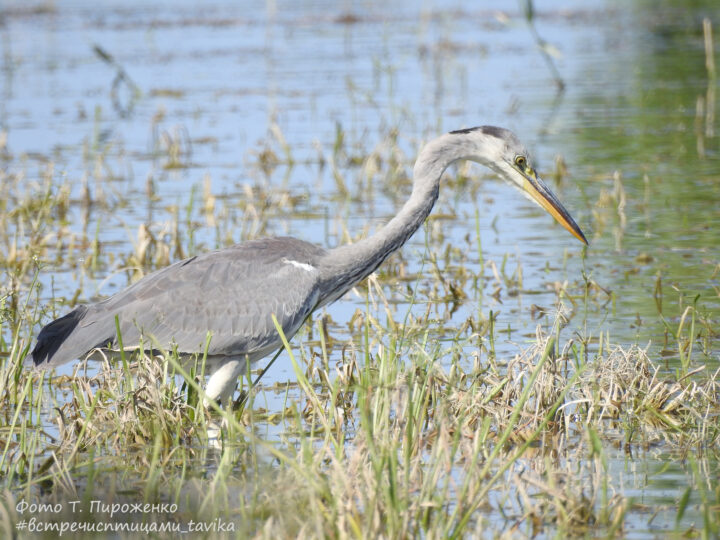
(521, 162)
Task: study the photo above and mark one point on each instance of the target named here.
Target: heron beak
(538, 191)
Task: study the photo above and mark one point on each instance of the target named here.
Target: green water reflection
(645, 110)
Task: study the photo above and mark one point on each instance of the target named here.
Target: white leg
(223, 380)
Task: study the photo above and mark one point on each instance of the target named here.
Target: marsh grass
(399, 425)
(398, 443)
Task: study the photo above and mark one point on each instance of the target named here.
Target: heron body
(232, 294)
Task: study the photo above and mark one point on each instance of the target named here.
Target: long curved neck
(345, 266)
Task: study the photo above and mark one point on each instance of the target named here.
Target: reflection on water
(240, 105)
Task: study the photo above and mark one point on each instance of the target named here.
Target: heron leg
(223, 380)
(242, 398)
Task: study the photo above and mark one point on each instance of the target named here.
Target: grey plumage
(232, 293)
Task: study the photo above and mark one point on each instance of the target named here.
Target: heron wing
(230, 294)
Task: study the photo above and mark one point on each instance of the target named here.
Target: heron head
(500, 150)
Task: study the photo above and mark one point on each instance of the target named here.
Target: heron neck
(347, 265)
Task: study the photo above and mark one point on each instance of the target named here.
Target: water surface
(246, 102)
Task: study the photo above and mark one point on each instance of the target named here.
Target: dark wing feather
(231, 293)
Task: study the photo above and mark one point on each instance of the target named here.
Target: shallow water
(213, 81)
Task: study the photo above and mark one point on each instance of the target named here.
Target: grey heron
(233, 293)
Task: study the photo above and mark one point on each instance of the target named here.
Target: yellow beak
(541, 194)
